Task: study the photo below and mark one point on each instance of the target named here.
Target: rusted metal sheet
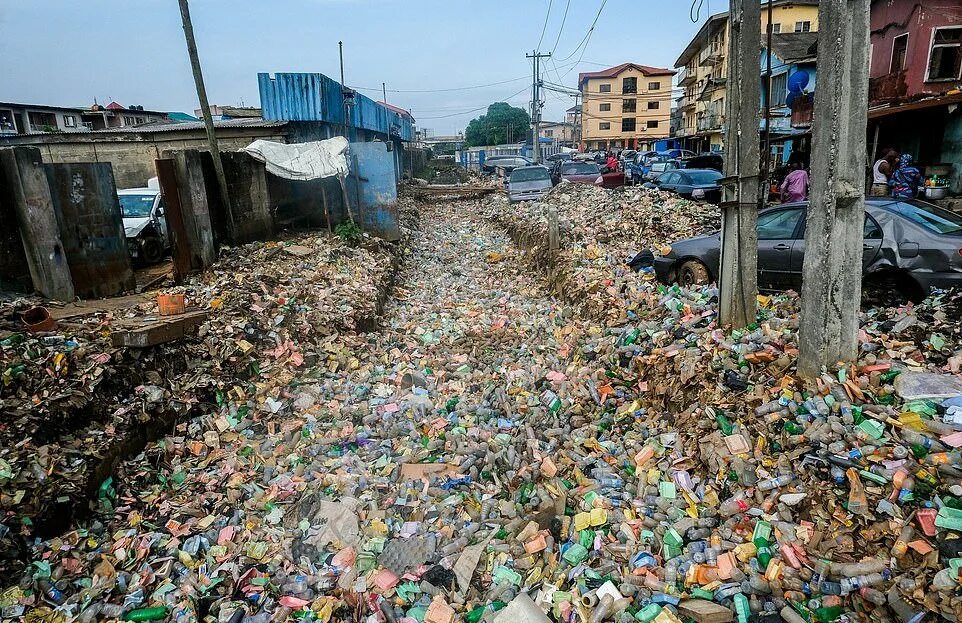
(91, 228)
(174, 213)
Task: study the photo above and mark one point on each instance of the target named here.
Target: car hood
(133, 225)
(590, 179)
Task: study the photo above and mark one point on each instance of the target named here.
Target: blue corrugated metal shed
(315, 97)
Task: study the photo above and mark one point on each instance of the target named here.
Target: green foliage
(349, 232)
(494, 127)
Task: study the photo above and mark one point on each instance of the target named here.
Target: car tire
(693, 273)
(151, 250)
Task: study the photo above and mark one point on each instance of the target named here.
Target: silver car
(528, 183)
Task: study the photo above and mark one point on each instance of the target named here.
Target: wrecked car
(145, 227)
(909, 247)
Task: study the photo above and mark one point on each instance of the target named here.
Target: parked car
(713, 160)
(690, 183)
(582, 173)
(145, 227)
(910, 247)
(627, 156)
(655, 169)
(506, 163)
(527, 183)
(560, 157)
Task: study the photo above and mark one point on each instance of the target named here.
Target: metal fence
(473, 157)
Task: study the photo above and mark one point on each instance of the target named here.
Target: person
(795, 186)
(906, 180)
(612, 163)
(881, 172)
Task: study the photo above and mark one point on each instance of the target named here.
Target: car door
(668, 181)
(777, 233)
(682, 184)
(871, 245)
(160, 218)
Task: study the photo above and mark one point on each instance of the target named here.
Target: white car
(144, 224)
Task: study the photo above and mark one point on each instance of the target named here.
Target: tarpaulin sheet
(302, 161)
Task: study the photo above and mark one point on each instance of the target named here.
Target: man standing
(795, 186)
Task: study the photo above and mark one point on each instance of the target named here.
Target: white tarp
(302, 161)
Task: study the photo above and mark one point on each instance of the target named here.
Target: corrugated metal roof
(191, 125)
(794, 46)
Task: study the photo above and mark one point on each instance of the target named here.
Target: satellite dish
(798, 81)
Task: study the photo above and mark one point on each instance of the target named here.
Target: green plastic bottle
(146, 614)
(723, 422)
(825, 614)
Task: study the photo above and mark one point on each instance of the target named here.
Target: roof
(184, 126)
(40, 107)
(138, 191)
(181, 116)
(397, 109)
(611, 72)
(794, 47)
(716, 20)
(929, 102)
(556, 123)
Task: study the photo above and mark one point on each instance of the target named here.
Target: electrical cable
(545, 27)
(477, 86)
(561, 30)
(587, 34)
(466, 112)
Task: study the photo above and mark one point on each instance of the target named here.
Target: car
(582, 173)
(528, 183)
(145, 227)
(713, 160)
(627, 156)
(690, 183)
(910, 247)
(505, 163)
(655, 169)
(558, 157)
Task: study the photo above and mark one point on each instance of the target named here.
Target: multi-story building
(625, 107)
(704, 70)
(559, 131)
(32, 119)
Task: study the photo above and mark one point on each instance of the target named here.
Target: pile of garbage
(602, 232)
(493, 455)
(75, 404)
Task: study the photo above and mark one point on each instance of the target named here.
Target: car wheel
(151, 250)
(693, 273)
(890, 289)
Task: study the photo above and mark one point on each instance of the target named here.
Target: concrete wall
(14, 271)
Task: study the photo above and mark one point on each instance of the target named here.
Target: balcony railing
(712, 84)
(710, 122)
(712, 55)
(686, 77)
(890, 87)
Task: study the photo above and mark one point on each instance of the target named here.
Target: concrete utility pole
(832, 269)
(384, 92)
(205, 111)
(738, 278)
(536, 101)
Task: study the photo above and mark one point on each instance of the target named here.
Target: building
(223, 113)
(573, 116)
(915, 75)
(704, 70)
(625, 107)
(39, 119)
(560, 132)
(792, 96)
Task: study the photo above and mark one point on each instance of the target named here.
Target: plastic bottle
(775, 483)
(901, 545)
(857, 500)
(735, 504)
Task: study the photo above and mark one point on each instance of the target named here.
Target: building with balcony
(625, 107)
(790, 109)
(915, 75)
(40, 119)
(703, 70)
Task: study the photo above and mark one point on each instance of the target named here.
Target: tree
(501, 122)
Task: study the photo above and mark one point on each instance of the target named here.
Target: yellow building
(625, 107)
(704, 71)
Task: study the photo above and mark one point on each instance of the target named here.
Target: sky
(68, 53)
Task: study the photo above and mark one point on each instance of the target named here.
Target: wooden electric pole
(738, 275)
(205, 111)
(832, 269)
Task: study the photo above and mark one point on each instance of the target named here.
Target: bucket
(38, 320)
(170, 304)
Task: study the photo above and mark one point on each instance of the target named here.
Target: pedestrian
(612, 163)
(906, 179)
(795, 186)
(882, 170)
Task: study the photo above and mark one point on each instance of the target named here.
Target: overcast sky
(68, 53)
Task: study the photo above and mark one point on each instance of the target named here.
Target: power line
(561, 30)
(466, 112)
(477, 86)
(587, 34)
(545, 27)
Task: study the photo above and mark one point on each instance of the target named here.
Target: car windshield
(583, 168)
(659, 166)
(530, 175)
(704, 177)
(929, 216)
(136, 206)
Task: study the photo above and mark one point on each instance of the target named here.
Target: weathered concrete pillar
(738, 273)
(832, 269)
(24, 176)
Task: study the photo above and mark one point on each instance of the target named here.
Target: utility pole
(738, 278)
(536, 101)
(767, 155)
(384, 92)
(205, 111)
(832, 269)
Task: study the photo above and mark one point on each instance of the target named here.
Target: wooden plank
(703, 611)
(142, 334)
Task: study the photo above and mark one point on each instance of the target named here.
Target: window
(776, 28)
(871, 230)
(779, 90)
(652, 123)
(629, 85)
(139, 120)
(70, 121)
(128, 121)
(549, 133)
(945, 56)
(604, 88)
(652, 105)
(778, 225)
(628, 124)
(654, 86)
(899, 45)
(530, 174)
(604, 125)
(805, 26)
(933, 218)
(604, 107)
(629, 105)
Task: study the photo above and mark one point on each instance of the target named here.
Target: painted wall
(891, 18)
(593, 116)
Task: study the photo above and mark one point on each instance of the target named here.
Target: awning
(931, 102)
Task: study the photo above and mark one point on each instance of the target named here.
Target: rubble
(496, 454)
